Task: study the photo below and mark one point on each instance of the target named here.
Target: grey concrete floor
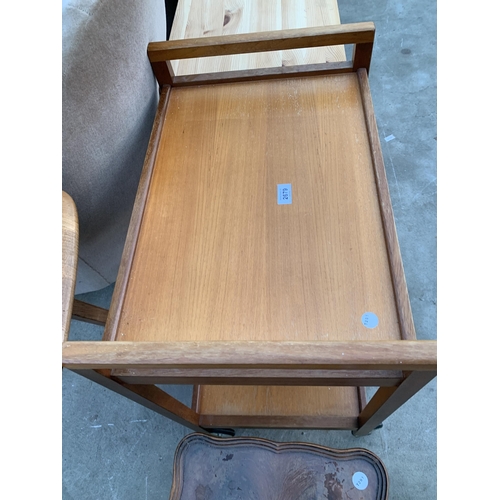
(116, 449)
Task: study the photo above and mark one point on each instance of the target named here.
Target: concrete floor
(116, 449)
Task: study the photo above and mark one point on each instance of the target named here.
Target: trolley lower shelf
(278, 406)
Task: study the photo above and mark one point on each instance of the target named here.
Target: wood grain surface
(257, 74)
(278, 401)
(69, 259)
(89, 313)
(391, 237)
(261, 376)
(201, 18)
(316, 355)
(162, 54)
(135, 219)
(276, 40)
(218, 259)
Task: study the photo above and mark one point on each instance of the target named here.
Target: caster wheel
(378, 427)
(225, 432)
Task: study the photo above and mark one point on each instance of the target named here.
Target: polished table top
(259, 469)
(218, 258)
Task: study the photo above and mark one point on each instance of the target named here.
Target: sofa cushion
(109, 99)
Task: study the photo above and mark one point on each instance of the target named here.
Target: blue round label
(359, 480)
(370, 320)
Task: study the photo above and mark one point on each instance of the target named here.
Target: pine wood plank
(205, 21)
(270, 21)
(329, 10)
(302, 14)
(294, 15)
(247, 16)
(195, 19)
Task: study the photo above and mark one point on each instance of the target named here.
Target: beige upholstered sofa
(109, 99)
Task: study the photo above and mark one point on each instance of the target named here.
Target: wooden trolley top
(218, 258)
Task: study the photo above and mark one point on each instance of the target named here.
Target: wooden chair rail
(360, 34)
(356, 355)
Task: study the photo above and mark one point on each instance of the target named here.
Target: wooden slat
(261, 377)
(278, 41)
(348, 355)
(332, 422)
(262, 74)
(135, 219)
(69, 259)
(319, 36)
(391, 237)
(89, 313)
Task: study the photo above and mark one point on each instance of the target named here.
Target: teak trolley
(279, 314)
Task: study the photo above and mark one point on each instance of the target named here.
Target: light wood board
(218, 259)
(201, 18)
(274, 400)
(70, 231)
